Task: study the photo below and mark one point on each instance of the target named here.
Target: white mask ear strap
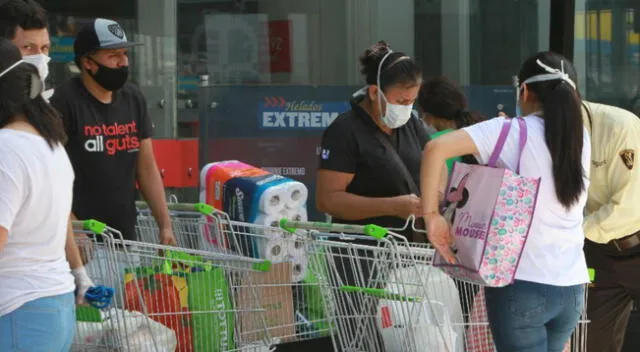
(11, 67)
(380, 67)
(553, 73)
(36, 87)
(380, 94)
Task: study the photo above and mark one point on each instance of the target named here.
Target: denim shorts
(45, 324)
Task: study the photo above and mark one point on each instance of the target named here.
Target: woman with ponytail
(540, 310)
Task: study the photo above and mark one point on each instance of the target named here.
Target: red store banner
(280, 46)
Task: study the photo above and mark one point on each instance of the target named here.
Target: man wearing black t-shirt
(109, 133)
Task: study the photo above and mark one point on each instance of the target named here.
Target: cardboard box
(274, 293)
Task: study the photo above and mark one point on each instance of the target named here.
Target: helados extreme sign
(279, 113)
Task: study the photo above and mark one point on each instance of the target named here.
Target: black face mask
(110, 78)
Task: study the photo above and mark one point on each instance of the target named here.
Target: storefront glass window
(153, 65)
(607, 52)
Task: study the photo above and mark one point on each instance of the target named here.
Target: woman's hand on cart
(83, 283)
(99, 296)
(439, 234)
(167, 237)
(407, 205)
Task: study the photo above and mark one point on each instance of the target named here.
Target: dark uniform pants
(611, 295)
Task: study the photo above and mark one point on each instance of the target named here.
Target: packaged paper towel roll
(296, 246)
(272, 249)
(273, 200)
(296, 195)
(299, 268)
(299, 214)
(271, 223)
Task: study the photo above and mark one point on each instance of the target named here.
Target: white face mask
(396, 115)
(41, 62)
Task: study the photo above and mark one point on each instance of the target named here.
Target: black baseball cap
(100, 34)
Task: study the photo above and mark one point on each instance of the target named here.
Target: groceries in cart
(438, 302)
(289, 292)
(169, 299)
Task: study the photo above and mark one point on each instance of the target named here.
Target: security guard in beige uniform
(612, 223)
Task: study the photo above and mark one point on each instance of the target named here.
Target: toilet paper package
(244, 198)
(214, 176)
(296, 195)
(299, 268)
(271, 225)
(296, 246)
(273, 249)
(299, 214)
(252, 240)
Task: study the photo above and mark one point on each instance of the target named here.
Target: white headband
(554, 73)
(11, 68)
(363, 90)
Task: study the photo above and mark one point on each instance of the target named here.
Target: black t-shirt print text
(111, 139)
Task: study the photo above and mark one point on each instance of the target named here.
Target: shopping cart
(289, 293)
(191, 224)
(168, 298)
(382, 294)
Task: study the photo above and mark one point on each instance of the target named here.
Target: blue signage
(62, 49)
(280, 113)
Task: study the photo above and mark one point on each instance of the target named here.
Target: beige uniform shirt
(613, 205)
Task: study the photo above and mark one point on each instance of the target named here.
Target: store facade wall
(293, 42)
(211, 69)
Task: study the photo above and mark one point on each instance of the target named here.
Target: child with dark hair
(445, 109)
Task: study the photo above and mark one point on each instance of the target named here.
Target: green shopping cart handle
(171, 257)
(202, 208)
(88, 314)
(89, 225)
(380, 293)
(374, 231)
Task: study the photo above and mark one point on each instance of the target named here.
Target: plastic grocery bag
(124, 331)
(436, 321)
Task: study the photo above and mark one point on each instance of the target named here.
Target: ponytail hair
(563, 124)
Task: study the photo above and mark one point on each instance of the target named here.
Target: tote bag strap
(504, 133)
(413, 187)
